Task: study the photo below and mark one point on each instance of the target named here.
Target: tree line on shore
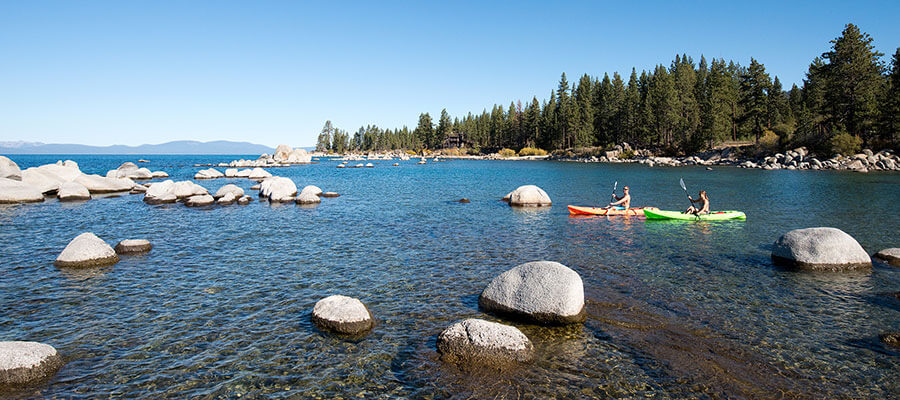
(848, 99)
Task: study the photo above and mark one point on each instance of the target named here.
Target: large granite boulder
(282, 152)
(159, 174)
(185, 189)
(133, 246)
(130, 170)
(236, 191)
(298, 156)
(231, 173)
(543, 292)
(86, 250)
(479, 343)
(278, 189)
(828, 249)
(211, 173)
(12, 192)
(890, 256)
(26, 363)
(313, 189)
(199, 200)
(529, 196)
(245, 173)
(9, 169)
(160, 193)
(102, 184)
(342, 314)
(73, 191)
(257, 173)
(47, 178)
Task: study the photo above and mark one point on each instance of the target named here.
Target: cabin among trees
(456, 140)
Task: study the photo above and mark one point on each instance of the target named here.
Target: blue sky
(134, 72)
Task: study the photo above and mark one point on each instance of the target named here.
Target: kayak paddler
(624, 201)
(703, 200)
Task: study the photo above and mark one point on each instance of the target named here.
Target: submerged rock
(329, 194)
(820, 249)
(73, 191)
(543, 292)
(12, 192)
(890, 256)
(891, 338)
(86, 250)
(529, 196)
(25, 363)
(464, 200)
(342, 314)
(9, 169)
(133, 246)
(476, 342)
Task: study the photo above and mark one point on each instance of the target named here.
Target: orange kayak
(578, 210)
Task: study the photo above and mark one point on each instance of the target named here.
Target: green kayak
(712, 216)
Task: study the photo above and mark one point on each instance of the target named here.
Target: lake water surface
(221, 306)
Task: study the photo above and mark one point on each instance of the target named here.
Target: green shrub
(626, 155)
(845, 144)
(532, 151)
(507, 152)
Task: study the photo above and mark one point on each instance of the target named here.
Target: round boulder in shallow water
(529, 196)
(891, 338)
(343, 315)
(890, 256)
(24, 363)
(330, 194)
(820, 249)
(86, 250)
(199, 200)
(543, 292)
(476, 342)
(133, 246)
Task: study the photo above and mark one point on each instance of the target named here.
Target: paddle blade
(681, 182)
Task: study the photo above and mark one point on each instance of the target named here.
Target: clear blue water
(220, 307)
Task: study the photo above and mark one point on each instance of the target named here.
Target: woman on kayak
(624, 201)
(703, 200)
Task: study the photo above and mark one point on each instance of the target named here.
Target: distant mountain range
(176, 147)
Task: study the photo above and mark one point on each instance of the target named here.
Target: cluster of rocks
(539, 292)
(799, 158)
(87, 250)
(360, 165)
(257, 174)
(65, 181)
(279, 189)
(193, 195)
(528, 196)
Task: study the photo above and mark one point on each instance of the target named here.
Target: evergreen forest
(850, 98)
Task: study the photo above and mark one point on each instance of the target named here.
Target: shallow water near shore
(221, 306)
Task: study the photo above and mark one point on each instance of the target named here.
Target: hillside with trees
(850, 98)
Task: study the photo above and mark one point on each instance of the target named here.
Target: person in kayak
(703, 200)
(624, 201)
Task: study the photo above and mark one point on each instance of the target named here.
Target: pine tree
(563, 114)
(755, 83)
(890, 104)
(424, 132)
(583, 113)
(630, 109)
(324, 140)
(852, 82)
(443, 129)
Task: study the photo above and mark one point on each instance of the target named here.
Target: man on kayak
(703, 200)
(624, 201)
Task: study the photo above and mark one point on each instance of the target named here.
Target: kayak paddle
(613, 195)
(681, 181)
